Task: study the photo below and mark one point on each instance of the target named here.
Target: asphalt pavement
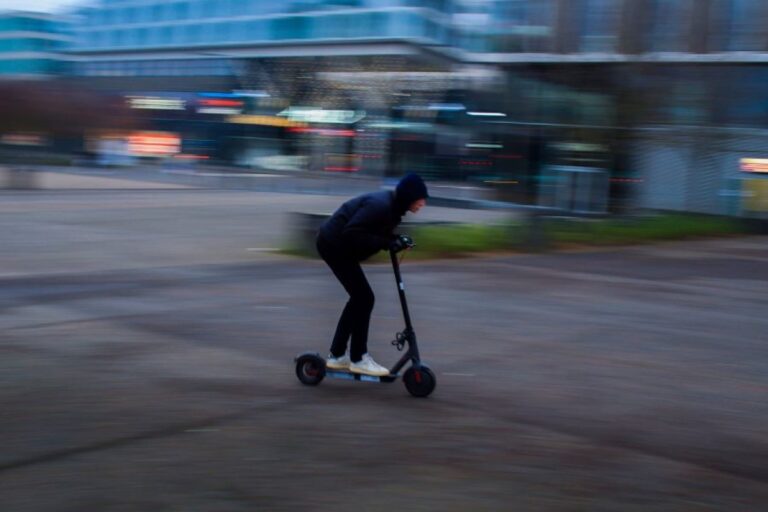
(148, 339)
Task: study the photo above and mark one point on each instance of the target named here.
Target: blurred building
(196, 38)
(32, 45)
(235, 68)
(624, 96)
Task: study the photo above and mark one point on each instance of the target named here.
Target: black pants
(356, 316)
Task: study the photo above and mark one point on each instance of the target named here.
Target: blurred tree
(59, 109)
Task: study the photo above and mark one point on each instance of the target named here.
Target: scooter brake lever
(399, 341)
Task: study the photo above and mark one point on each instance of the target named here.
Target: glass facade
(141, 25)
(29, 45)
(495, 27)
(170, 67)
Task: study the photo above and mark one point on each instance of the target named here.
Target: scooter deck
(341, 374)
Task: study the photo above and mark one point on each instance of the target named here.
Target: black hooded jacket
(364, 225)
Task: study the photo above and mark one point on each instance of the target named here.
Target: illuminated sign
(280, 122)
(757, 165)
(156, 103)
(23, 139)
(326, 131)
(252, 94)
(319, 115)
(219, 103)
(154, 144)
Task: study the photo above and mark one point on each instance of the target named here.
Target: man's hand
(400, 243)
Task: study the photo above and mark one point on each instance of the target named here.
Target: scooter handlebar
(401, 243)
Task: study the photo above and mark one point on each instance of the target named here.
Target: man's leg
(356, 317)
(343, 331)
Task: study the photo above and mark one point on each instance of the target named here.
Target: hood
(411, 188)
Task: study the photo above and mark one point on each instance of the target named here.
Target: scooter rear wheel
(310, 369)
(419, 381)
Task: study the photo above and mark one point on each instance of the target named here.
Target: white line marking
(459, 374)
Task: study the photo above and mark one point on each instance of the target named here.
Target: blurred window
(600, 25)
(438, 5)
(177, 34)
(220, 8)
(112, 16)
(141, 36)
(95, 18)
(238, 31)
(257, 30)
(325, 27)
(143, 14)
(743, 24)
(153, 36)
(741, 96)
(166, 36)
(208, 9)
(294, 27)
(230, 8)
(522, 26)
(255, 7)
(38, 26)
(416, 24)
(132, 37)
(206, 33)
(192, 34)
(95, 39)
(431, 30)
(669, 21)
(473, 41)
(222, 31)
(155, 13)
(120, 16)
(367, 25)
(166, 12)
(100, 17)
(180, 10)
(405, 24)
(378, 22)
(131, 15)
(118, 38)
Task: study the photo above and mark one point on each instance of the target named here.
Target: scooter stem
(401, 290)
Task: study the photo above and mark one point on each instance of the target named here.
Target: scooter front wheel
(419, 381)
(310, 369)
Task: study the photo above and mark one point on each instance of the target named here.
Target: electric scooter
(419, 379)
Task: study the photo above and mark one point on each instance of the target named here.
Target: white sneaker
(368, 366)
(337, 363)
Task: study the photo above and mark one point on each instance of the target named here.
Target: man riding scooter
(360, 228)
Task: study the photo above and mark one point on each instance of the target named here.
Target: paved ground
(147, 365)
(84, 231)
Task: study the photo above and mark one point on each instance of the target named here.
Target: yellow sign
(756, 195)
(266, 121)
